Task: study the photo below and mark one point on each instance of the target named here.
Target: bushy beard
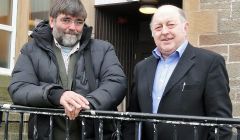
(66, 38)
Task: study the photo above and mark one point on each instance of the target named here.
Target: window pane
(5, 49)
(38, 11)
(6, 12)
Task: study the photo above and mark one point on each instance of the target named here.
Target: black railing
(138, 118)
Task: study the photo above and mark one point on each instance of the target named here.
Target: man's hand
(73, 103)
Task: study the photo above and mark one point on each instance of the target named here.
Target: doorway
(129, 31)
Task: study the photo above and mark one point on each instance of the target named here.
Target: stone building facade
(215, 25)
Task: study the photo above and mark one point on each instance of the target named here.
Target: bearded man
(51, 73)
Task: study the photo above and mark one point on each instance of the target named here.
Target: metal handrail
(130, 116)
(135, 117)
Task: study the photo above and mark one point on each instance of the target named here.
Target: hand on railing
(73, 103)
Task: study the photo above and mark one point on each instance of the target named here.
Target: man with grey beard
(52, 71)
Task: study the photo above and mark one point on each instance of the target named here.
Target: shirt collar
(74, 49)
(179, 50)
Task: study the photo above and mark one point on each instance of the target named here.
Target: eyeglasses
(68, 21)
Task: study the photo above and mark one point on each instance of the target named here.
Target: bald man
(178, 79)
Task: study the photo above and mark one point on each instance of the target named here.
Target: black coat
(206, 93)
(36, 73)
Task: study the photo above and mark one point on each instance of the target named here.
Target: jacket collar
(183, 66)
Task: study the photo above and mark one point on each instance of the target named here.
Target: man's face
(67, 30)
(168, 31)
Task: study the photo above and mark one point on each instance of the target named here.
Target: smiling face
(67, 30)
(169, 29)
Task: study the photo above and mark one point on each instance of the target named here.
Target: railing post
(238, 133)
(6, 126)
(196, 122)
(138, 130)
(83, 130)
(216, 133)
(21, 126)
(195, 131)
(1, 114)
(175, 132)
(67, 128)
(118, 130)
(51, 128)
(100, 130)
(155, 132)
(35, 132)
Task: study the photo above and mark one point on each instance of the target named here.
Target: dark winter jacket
(36, 74)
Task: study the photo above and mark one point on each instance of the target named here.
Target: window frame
(12, 30)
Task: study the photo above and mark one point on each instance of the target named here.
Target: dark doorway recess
(128, 30)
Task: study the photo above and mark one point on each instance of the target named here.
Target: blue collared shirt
(163, 72)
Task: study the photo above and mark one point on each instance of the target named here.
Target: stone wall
(4, 96)
(215, 25)
(13, 128)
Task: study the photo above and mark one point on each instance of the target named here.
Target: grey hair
(69, 7)
(180, 11)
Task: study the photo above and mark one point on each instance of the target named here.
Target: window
(8, 12)
(39, 11)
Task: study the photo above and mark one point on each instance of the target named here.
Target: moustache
(72, 33)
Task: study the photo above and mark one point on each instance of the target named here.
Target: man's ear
(51, 20)
(186, 26)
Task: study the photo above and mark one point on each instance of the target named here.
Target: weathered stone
(227, 26)
(193, 39)
(234, 70)
(223, 50)
(236, 109)
(13, 127)
(232, 96)
(213, 1)
(236, 10)
(234, 53)
(228, 38)
(218, 6)
(236, 91)
(224, 14)
(4, 95)
(237, 95)
(191, 5)
(199, 24)
(234, 83)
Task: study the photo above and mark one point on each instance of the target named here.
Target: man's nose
(165, 30)
(72, 26)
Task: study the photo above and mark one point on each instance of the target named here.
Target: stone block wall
(215, 25)
(13, 127)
